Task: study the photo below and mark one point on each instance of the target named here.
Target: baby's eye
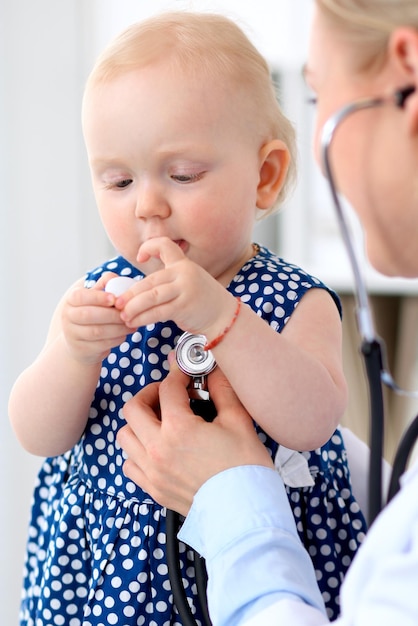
(120, 184)
(187, 178)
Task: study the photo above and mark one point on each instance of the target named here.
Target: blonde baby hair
(208, 47)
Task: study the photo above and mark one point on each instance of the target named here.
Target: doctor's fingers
(142, 414)
(174, 398)
(229, 407)
(221, 391)
(165, 487)
(131, 445)
(147, 411)
(136, 455)
(143, 409)
(239, 436)
(151, 465)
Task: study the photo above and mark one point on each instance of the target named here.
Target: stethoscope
(196, 362)
(190, 354)
(372, 347)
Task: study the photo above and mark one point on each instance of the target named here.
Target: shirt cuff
(232, 503)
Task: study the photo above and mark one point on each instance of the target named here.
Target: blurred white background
(49, 231)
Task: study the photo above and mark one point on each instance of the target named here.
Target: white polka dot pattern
(96, 545)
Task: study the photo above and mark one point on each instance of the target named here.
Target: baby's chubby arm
(292, 383)
(50, 401)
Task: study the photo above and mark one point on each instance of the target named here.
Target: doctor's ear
(403, 53)
(274, 164)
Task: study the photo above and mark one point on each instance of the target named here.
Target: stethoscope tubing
(207, 410)
(371, 347)
(372, 355)
(173, 521)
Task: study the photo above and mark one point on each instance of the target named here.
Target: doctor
(218, 474)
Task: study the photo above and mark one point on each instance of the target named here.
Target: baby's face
(173, 157)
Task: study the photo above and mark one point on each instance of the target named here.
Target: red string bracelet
(218, 339)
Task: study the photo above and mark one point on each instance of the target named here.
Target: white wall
(49, 231)
(48, 227)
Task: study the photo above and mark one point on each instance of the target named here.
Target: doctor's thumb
(227, 403)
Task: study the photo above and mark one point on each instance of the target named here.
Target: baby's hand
(182, 291)
(91, 324)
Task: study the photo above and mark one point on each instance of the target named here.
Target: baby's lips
(119, 285)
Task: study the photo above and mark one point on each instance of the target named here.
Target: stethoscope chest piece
(192, 358)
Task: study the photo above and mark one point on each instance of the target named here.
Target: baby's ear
(274, 163)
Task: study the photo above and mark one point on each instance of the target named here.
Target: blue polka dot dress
(96, 546)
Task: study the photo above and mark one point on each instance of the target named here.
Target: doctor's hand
(172, 452)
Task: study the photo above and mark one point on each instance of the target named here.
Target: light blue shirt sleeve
(242, 524)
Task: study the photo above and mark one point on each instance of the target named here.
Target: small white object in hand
(119, 285)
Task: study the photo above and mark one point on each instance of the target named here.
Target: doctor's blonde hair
(206, 47)
(369, 23)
